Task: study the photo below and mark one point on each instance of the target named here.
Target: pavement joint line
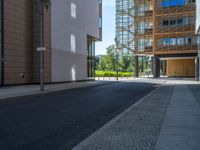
(99, 131)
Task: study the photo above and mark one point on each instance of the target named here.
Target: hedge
(113, 74)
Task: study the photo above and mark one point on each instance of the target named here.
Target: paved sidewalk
(181, 128)
(26, 90)
(166, 119)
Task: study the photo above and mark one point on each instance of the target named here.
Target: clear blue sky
(108, 27)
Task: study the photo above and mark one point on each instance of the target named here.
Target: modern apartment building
(162, 29)
(70, 32)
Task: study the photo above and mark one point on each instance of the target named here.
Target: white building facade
(75, 26)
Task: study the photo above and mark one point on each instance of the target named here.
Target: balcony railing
(178, 9)
(146, 50)
(177, 48)
(178, 28)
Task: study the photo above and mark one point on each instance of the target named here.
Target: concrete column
(197, 68)
(164, 67)
(155, 67)
(136, 66)
(142, 65)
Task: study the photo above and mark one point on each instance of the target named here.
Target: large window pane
(180, 21)
(173, 22)
(172, 3)
(165, 41)
(172, 41)
(180, 2)
(165, 22)
(180, 41)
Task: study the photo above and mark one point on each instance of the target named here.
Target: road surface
(60, 120)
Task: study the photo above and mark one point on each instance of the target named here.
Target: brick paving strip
(137, 128)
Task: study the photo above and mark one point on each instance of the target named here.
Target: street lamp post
(117, 50)
(117, 65)
(44, 5)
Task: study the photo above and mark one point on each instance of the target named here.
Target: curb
(99, 131)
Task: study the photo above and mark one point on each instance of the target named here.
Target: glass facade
(134, 26)
(124, 27)
(173, 28)
(90, 57)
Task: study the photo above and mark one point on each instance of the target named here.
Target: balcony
(182, 48)
(178, 28)
(175, 10)
(146, 50)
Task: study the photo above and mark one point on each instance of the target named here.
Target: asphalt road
(62, 119)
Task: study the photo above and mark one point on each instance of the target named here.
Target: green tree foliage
(102, 63)
(111, 58)
(125, 63)
(107, 62)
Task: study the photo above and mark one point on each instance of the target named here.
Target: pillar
(164, 67)
(142, 65)
(156, 67)
(136, 66)
(197, 68)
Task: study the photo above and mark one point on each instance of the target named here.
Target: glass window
(173, 22)
(169, 3)
(188, 41)
(148, 42)
(172, 3)
(73, 43)
(172, 41)
(191, 1)
(180, 41)
(165, 41)
(141, 44)
(180, 2)
(73, 10)
(141, 27)
(90, 57)
(194, 40)
(180, 21)
(100, 22)
(165, 3)
(165, 22)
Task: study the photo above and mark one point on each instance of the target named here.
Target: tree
(102, 63)
(126, 63)
(110, 60)
(107, 62)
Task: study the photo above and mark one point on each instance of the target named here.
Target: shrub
(113, 74)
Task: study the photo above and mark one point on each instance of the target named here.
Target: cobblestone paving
(136, 129)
